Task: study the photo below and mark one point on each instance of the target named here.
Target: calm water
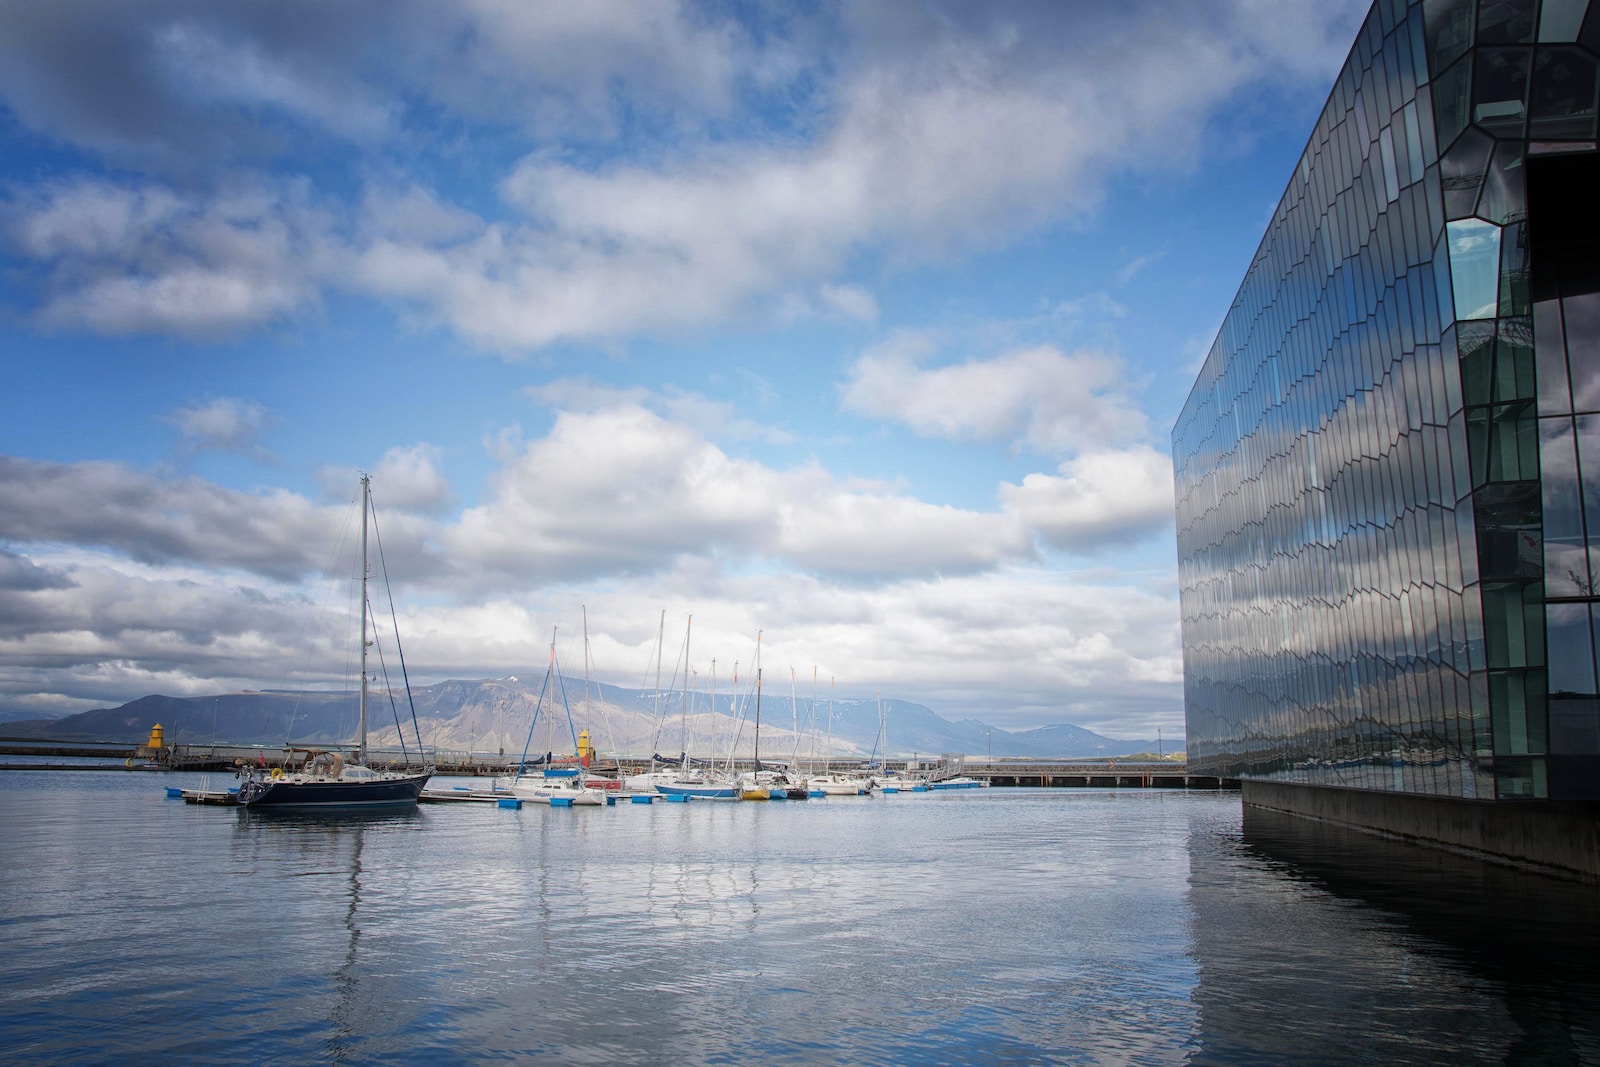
(994, 926)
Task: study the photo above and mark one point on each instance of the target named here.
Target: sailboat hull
(334, 793)
(703, 792)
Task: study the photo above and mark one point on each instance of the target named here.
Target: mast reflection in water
(984, 926)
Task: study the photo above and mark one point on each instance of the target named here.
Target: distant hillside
(494, 716)
(13, 714)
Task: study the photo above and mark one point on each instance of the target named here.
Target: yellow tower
(156, 738)
(585, 749)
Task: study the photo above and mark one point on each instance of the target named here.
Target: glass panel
(1452, 98)
(1589, 470)
(1510, 541)
(1499, 89)
(1448, 25)
(1504, 197)
(1475, 341)
(1562, 104)
(1391, 177)
(1551, 349)
(1570, 649)
(1461, 172)
(1581, 316)
(1513, 363)
(1474, 267)
(1566, 566)
(1505, 21)
(1514, 270)
(1414, 153)
(1560, 20)
(1513, 443)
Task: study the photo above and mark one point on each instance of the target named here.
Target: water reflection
(1316, 941)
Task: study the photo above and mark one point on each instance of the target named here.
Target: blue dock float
(891, 789)
(561, 802)
(611, 801)
(174, 791)
(643, 798)
(678, 798)
(515, 803)
(816, 794)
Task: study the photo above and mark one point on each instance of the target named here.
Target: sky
(860, 325)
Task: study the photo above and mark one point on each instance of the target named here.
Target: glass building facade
(1389, 551)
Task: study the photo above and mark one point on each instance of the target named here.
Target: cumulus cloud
(143, 259)
(1100, 500)
(1058, 648)
(796, 145)
(1046, 399)
(622, 489)
(151, 520)
(716, 419)
(226, 424)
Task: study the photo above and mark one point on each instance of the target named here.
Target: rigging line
(388, 687)
(317, 621)
(383, 567)
(562, 684)
(661, 637)
(533, 723)
(588, 663)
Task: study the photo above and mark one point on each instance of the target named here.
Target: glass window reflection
(1474, 267)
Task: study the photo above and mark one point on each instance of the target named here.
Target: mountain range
(494, 716)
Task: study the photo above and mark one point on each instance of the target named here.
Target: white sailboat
(559, 787)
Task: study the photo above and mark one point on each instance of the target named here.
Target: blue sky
(863, 325)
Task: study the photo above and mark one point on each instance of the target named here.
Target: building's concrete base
(1560, 837)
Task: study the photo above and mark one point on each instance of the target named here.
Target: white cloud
(227, 423)
(406, 478)
(1101, 500)
(1128, 270)
(153, 520)
(1018, 646)
(907, 131)
(621, 489)
(216, 71)
(140, 258)
(1052, 401)
(715, 419)
(851, 301)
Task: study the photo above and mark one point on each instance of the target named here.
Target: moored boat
(325, 780)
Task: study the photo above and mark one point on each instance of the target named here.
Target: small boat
(700, 787)
(561, 782)
(841, 785)
(960, 783)
(557, 790)
(325, 780)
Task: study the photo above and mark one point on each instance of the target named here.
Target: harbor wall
(1562, 838)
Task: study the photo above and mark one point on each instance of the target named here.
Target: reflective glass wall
(1361, 509)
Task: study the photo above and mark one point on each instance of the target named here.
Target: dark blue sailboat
(325, 780)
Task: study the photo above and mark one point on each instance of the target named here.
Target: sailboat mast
(688, 629)
(758, 718)
(830, 723)
(366, 490)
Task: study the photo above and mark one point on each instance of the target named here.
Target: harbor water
(979, 926)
